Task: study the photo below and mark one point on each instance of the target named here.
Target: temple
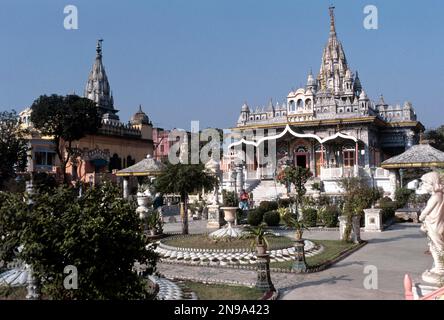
(331, 127)
(116, 146)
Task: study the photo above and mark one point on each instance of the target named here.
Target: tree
(437, 137)
(297, 176)
(65, 119)
(357, 197)
(98, 233)
(184, 179)
(13, 146)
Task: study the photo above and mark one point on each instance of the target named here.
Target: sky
(202, 59)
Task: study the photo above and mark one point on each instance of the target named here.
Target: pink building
(161, 144)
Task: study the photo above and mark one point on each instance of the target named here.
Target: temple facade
(331, 126)
(117, 145)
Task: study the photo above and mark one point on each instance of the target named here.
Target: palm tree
(184, 179)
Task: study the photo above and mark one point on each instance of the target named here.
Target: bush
(402, 196)
(255, 217)
(267, 206)
(272, 218)
(284, 203)
(310, 217)
(330, 216)
(388, 208)
(99, 233)
(230, 199)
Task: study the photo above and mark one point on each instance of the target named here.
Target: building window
(44, 158)
(300, 104)
(349, 158)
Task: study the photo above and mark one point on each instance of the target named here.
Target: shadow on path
(331, 280)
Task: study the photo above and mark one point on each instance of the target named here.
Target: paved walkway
(394, 252)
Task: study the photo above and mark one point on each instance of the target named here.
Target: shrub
(402, 196)
(388, 208)
(284, 203)
(329, 216)
(255, 217)
(310, 217)
(230, 199)
(266, 206)
(272, 218)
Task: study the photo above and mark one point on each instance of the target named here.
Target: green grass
(332, 250)
(12, 293)
(205, 242)
(223, 292)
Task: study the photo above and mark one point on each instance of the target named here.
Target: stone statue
(433, 224)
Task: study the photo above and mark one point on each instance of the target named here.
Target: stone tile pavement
(394, 252)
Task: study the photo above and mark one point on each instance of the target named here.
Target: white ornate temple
(331, 127)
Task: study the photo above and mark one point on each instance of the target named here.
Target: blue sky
(201, 59)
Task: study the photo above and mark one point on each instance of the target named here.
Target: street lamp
(401, 175)
(372, 174)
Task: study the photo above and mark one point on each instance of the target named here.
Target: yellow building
(116, 145)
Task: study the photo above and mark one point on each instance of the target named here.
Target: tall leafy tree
(296, 176)
(184, 179)
(437, 137)
(65, 119)
(98, 233)
(13, 146)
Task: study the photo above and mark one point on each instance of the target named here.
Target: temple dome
(140, 117)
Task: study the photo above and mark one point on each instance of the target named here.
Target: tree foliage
(437, 137)
(184, 179)
(98, 233)
(65, 119)
(13, 146)
(357, 197)
(297, 176)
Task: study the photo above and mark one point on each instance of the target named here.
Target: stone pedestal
(213, 217)
(342, 226)
(263, 282)
(373, 220)
(299, 264)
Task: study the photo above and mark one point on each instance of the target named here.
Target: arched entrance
(301, 157)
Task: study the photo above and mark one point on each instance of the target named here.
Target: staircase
(268, 190)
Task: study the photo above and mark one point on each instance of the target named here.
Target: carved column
(263, 282)
(299, 264)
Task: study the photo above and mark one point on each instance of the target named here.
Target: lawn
(332, 250)
(205, 242)
(223, 292)
(12, 293)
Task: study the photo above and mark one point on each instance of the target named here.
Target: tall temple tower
(334, 75)
(98, 89)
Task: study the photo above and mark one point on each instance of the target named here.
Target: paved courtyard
(394, 252)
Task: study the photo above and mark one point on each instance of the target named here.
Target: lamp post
(372, 173)
(401, 175)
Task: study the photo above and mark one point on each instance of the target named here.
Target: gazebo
(418, 156)
(148, 167)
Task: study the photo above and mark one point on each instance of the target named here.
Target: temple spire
(332, 20)
(97, 87)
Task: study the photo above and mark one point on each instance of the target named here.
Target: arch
(308, 104)
(292, 106)
(300, 104)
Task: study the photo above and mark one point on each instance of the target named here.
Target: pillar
(263, 282)
(239, 178)
(125, 187)
(373, 220)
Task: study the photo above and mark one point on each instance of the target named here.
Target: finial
(140, 108)
(99, 47)
(332, 19)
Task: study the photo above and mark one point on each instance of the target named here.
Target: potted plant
(230, 205)
(292, 222)
(153, 223)
(260, 240)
